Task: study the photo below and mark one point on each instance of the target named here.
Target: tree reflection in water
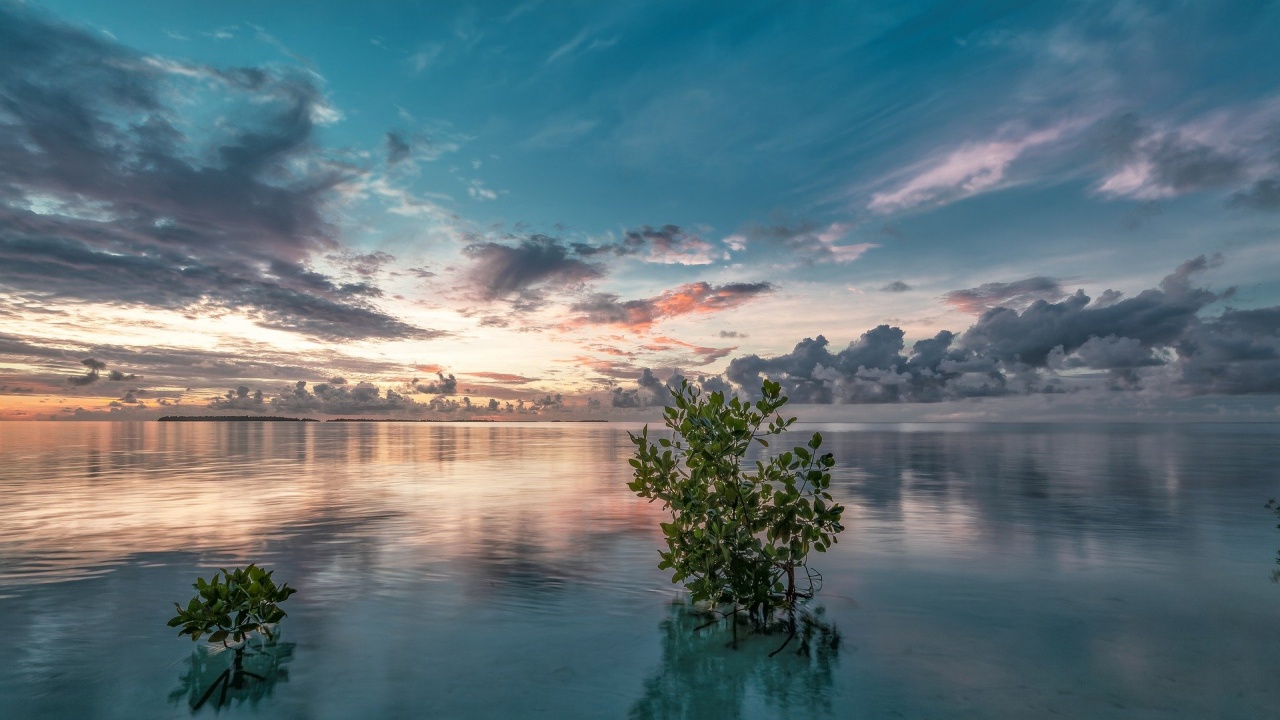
(203, 682)
(702, 677)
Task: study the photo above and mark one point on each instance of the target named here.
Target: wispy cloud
(963, 172)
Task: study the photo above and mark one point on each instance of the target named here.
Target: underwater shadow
(218, 678)
(703, 677)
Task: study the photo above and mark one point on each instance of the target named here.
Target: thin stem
(207, 693)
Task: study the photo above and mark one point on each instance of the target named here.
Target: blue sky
(587, 199)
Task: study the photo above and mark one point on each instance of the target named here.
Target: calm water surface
(504, 571)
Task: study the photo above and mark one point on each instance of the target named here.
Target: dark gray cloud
(444, 385)
(1237, 353)
(668, 244)
(1262, 195)
(1047, 347)
(1170, 163)
(397, 148)
(651, 391)
(1155, 317)
(501, 271)
(1184, 165)
(1017, 294)
(106, 195)
(91, 375)
(896, 286)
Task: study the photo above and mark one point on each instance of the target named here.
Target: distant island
(232, 418)
(276, 418)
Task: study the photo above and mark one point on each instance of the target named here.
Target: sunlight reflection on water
(504, 570)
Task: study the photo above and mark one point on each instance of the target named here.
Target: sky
(538, 210)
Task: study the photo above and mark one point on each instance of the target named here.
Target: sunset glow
(546, 210)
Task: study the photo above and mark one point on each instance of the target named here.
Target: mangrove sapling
(231, 608)
(737, 537)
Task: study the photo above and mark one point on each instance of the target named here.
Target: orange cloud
(640, 315)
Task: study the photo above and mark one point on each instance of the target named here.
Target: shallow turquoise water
(504, 571)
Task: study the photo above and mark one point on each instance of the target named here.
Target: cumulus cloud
(1047, 347)
(692, 298)
(240, 399)
(651, 391)
(443, 385)
(1157, 316)
(1237, 353)
(108, 195)
(363, 398)
(358, 399)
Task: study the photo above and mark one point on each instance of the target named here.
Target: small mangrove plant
(230, 608)
(740, 534)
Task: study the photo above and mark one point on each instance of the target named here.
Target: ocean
(504, 570)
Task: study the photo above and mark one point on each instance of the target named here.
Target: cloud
(167, 367)
(499, 270)
(1237, 353)
(809, 243)
(108, 194)
(692, 298)
(650, 391)
(695, 354)
(667, 245)
(363, 398)
(1155, 317)
(397, 148)
(1047, 347)
(240, 399)
(560, 133)
(444, 385)
(1262, 195)
(425, 56)
(504, 378)
(968, 170)
(477, 191)
(1017, 294)
(1159, 164)
(91, 376)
